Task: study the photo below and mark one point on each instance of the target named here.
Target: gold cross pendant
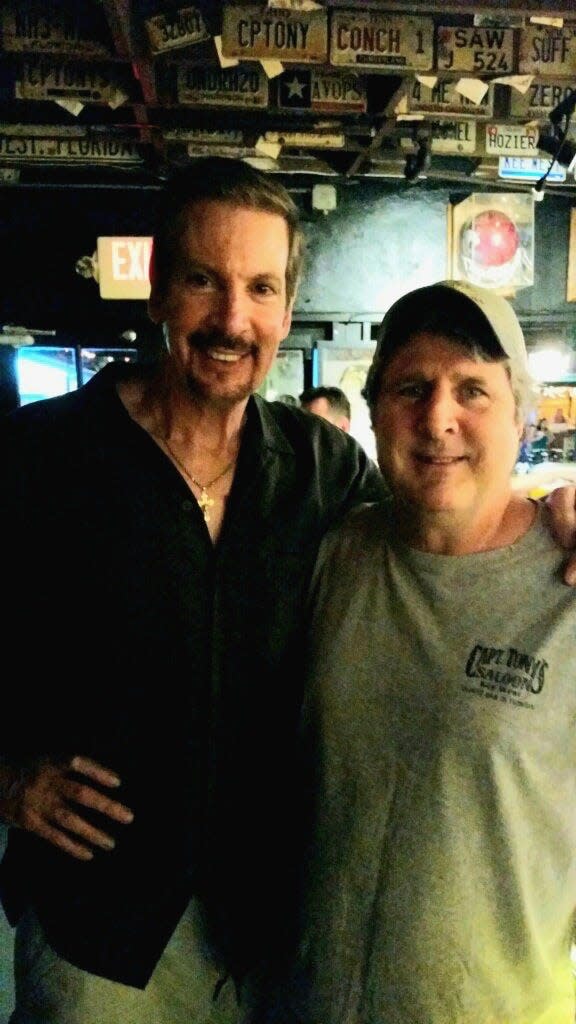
(205, 503)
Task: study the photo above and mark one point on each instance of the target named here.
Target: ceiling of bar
(116, 92)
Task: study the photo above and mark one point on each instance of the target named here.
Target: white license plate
(511, 140)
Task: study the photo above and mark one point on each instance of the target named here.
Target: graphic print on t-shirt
(505, 674)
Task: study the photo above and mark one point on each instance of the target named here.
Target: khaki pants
(49, 990)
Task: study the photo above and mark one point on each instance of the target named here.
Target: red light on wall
(494, 240)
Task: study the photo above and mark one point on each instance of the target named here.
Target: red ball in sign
(496, 239)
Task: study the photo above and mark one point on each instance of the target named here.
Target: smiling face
(225, 308)
(447, 432)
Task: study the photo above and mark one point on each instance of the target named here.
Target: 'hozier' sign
(123, 265)
(257, 33)
(336, 92)
(511, 140)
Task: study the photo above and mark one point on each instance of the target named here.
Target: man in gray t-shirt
(441, 707)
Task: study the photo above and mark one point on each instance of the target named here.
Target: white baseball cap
(479, 313)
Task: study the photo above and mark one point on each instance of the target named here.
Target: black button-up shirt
(173, 661)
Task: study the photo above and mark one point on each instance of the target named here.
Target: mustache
(204, 340)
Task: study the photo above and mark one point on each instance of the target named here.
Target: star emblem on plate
(295, 88)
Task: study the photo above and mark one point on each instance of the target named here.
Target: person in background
(542, 430)
(329, 402)
(559, 416)
(539, 442)
(439, 748)
(528, 435)
(164, 522)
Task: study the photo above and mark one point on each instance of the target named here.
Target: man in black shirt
(166, 521)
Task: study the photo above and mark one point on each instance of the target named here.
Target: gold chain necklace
(205, 501)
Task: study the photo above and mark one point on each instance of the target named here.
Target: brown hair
(226, 180)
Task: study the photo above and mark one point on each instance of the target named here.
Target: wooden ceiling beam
(558, 8)
(130, 45)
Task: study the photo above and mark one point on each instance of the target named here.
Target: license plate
(48, 80)
(179, 28)
(511, 140)
(443, 99)
(297, 140)
(82, 150)
(540, 99)
(529, 168)
(223, 87)
(449, 137)
(254, 33)
(547, 51)
(327, 92)
(225, 136)
(50, 31)
(488, 50)
(382, 41)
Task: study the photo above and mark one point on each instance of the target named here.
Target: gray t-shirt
(441, 723)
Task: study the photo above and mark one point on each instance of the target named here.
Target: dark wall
(375, 245)
(43, 232)
(381, 240)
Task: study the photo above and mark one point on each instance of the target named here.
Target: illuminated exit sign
(123, 267)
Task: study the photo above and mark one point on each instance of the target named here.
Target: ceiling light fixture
(17, 336)
(564, 109)
(549, 363)
(556, 144)
(561, 149)
(324, 197)
(417, 162)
